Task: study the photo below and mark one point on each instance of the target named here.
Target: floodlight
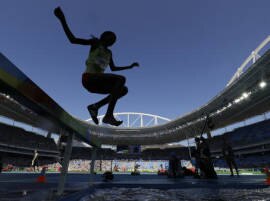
(245, 95)
(237, 100)
(262, 84)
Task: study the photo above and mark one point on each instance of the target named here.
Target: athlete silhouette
(94, 79)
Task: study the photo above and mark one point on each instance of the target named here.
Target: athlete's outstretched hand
(59, 13)
(135, 65)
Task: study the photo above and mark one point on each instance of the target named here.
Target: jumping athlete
(94, 79)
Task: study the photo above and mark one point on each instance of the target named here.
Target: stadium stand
(251, 145)
(10, 135)
(164, 154)
(253, 135)
(17, 146)
(148, 154)
(85, 153)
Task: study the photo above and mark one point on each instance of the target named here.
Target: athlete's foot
(111, 120)
(93, 111)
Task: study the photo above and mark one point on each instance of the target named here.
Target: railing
(253, 56)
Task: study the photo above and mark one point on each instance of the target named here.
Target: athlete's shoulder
(110, 51)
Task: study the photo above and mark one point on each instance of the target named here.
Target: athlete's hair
(107, 34)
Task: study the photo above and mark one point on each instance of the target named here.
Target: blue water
(196, 194)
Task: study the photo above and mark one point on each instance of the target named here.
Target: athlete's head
(108, 38)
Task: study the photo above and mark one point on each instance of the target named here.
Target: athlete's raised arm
(60, 15)
(115, 68)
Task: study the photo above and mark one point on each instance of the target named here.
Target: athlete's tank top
(98, 60)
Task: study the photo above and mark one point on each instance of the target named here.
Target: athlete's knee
(123, 92)
(122, 80)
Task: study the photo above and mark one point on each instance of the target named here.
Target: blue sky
(188, 50)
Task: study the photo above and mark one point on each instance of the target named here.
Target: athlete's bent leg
(105, 84)
(118, 91)
(109, 118)
(93, 109)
